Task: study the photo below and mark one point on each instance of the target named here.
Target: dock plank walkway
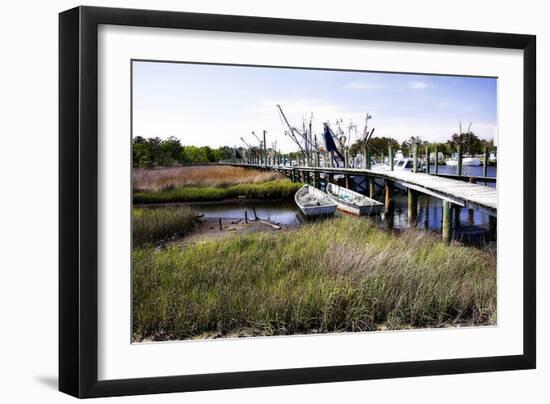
(453, 190)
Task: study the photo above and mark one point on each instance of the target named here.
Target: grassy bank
(339, 275)
(277, 189)
(155, 225)
(164, 179)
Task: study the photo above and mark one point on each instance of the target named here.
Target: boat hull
(326, 206)
(465, 162)
(367, 206)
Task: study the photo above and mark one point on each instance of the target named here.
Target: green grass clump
(155, 225)
(339, 275)
(278, 189)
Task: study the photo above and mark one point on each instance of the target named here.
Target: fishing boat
(314, 202)
(353, 202)
(400, 164)
(466, 161)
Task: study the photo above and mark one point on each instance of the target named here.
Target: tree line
(156, 152)
(471, 144)
(153, 152)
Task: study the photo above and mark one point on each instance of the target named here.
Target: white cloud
(417, 85)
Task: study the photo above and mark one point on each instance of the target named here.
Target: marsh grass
(198, 176)
(277, 189)
(339, 275)
(157, 225)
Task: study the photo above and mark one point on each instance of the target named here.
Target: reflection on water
(429, 214)
(475, 171)
(281, 212)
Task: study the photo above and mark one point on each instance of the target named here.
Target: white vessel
(314, 202)
(353, 202)
(466, 161)
(400, 164)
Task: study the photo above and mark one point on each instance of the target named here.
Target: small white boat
(466, 161)
(314, 202)
(353, 202)
(401, 164)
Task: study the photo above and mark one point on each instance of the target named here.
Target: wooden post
(246, 216)
(471, 211)
(459, 159)
(389, 191)
(470, 217)
(436, 161)
(415, 158)
(412, 207)
(347, 180)
(485, 158)
(371, 187)
(367, 156)
(390, 158)
(220, 222)
(446, 226)
(427, 216)
(265, 150)
(493, 227)
(427, 160)
(456, 224)
(388, 211)
(346, 157)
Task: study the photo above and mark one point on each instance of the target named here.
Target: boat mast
(293, 132)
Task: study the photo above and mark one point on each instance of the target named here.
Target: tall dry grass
(339, 275)
(270, 190)
(200, 176)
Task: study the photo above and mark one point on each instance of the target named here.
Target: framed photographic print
(251, 201)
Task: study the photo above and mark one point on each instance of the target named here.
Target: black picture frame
(78, 203)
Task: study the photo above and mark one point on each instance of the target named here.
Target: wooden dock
(456, 192)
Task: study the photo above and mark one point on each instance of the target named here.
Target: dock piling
(412, 207)
(367, 157)
(459, 159)
(371, 187)
(493, 227)
(415, 157)
(446, 225)
(427, 160)
(389, 192)
(436, 161)
(470, 210)
(456, 224)
(389, 205)
(485, 161)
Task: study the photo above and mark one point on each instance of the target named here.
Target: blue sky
(216, 104)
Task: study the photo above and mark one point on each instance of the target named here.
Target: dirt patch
(210, 228)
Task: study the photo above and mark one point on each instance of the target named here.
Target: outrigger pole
(293, 132)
